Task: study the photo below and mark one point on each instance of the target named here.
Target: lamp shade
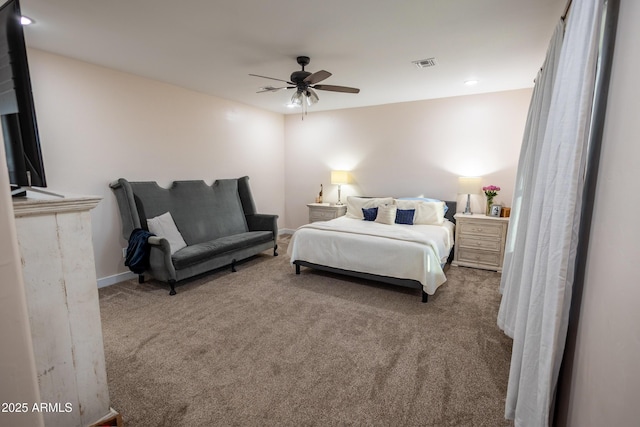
(339, 177)
(469, 185)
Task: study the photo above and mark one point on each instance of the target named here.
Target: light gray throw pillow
(165, 226)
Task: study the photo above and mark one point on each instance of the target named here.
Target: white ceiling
(211, 46)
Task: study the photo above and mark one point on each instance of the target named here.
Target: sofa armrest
(263, 222)
(160, 259)
(159, 241)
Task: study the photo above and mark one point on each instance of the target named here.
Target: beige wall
(605, 386)
(406, 149)
(97, 125)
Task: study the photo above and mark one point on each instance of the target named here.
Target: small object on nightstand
(325, 211)
(495, 210)
(480, 241)
(319, 198)
(505, 212)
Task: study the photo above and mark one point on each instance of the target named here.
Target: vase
(489, 203)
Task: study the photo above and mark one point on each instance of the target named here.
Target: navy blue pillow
(405, 216)
(370, 214)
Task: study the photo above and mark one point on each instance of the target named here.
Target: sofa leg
(425, 296)
(275, 250)
(172, 283)
(297, 268)
(233, 266)
(140, 278)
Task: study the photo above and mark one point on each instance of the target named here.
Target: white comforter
(403, 251)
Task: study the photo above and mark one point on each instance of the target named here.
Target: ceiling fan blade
(317, 77)
(272, 89)
(271, 78)
(337, 88)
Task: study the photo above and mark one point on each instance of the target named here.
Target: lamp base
(467, 209)
(339, 202)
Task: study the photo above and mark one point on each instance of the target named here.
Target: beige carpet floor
(264, 347)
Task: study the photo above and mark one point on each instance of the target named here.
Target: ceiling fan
(306, 84)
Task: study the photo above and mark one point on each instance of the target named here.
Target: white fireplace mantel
(32, 206)
(54, 238)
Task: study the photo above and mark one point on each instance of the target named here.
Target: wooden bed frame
(407, 283)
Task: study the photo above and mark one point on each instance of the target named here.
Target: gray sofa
(218, 223)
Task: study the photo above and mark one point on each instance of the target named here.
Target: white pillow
(405, 204)
(355, 205)
(386, 214)
(165, 226)
(427, 213)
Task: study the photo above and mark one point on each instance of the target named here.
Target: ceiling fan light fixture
(311, 97)
(296, 99)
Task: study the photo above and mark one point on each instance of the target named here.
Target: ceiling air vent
(424, 63)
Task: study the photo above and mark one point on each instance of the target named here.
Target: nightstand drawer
(467, 241)
(319, 215)
(481, 228)
(325, 211)
(479, 257)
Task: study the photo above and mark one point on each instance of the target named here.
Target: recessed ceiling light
(25, 20)
(471, 82)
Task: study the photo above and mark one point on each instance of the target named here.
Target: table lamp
(468, 185)
(339, 178)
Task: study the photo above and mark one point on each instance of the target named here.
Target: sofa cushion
(201, 212)
(194, 254)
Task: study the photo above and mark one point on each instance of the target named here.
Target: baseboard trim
(127, 275)
(116, 278)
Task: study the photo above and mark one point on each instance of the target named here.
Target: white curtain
(527, 168)
(542, 240)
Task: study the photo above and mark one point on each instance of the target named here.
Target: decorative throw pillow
(386, 214)
(427, 213)
(165, 226)
(405, 216)
(424, 199)
(355, 205)
(370, 214)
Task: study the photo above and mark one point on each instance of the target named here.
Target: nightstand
(325, 211)
(480, 241)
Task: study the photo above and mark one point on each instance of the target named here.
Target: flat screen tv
(17, 112)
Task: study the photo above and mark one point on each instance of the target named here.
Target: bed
(409, 255)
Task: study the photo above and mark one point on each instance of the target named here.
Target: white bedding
(414, 252)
